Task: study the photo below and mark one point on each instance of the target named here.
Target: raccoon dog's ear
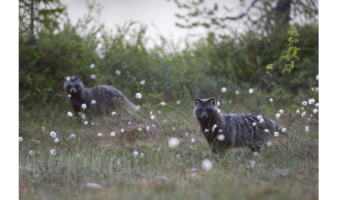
(212, 101)
(197, 101)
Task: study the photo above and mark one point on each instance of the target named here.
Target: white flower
(304, 103)
(129, 122)
(237, 92)
(113, 113)
(142, 155)
(159, 112)
(259, 117)
(278, 115)
(281, 111)
(20, 139)
(148, 128)
(206, 165)
(269, 143)
(44, 128)
(84, 106)
(178, 102)
(214, 127)
(219, 111)
(113, 134)
(223, 89)
(256, 153)
(138, 107)
(206, 130)
(92, 65)
(99, 134)
(162, 103)
(251, 91)
(93, 102)
(53, 134)
(284, 130)
(53, 152)
(118, 72)
(153, 125)
(307, 129)
(254, 123)
(315, 111)
(276, 134)
(186, 134)
(150, 112)
(138, 95)
(86, 122)
(93, 76)
(173, 142)
(122, 130)
(83, 116)
(135, 153)
(313, 89)
(56, 140)
(317, 77)
(72, 136)
(311, 101)
(317, 89)
(261, 121)
(174, 128)
(140, 129)
(153, 117)
(31, 152)
(266, 130)
(193, 140)
(271, 100)
(68, 78)
(220, 130)
(92, 123)
(317, 105)
(69, 95)
(70, 114)
(218, 103)
(142, 82)
(297, 112)
(252, 163)
(221, 137)
(303, 114)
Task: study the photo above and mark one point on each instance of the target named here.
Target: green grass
(285, 170)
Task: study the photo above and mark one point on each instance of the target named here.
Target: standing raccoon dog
(234, 130)
(104, 95)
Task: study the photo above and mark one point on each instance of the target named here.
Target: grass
(285, 170)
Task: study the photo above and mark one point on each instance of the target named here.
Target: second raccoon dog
(237, 129)
(104, 95)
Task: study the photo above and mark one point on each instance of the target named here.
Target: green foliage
(292, 51)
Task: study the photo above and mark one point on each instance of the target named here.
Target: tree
(261, 14)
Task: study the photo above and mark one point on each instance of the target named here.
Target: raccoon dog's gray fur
(104, 95)
(238, 129)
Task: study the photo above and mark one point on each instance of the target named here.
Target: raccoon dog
(234, 130)
(101, 96)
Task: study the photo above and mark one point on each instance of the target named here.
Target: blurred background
(181, 49)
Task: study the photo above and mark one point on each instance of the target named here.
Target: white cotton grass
(266, 130)
(118, 72)
(221, 137)
(138, 95)
(69, 95)
(92, 65)
(113, 134)
(113, 113)
(83, 116)
(311, 101)
(261, 121)
(306, 129)
(53, 152)
(237, 92)
(259, 117)
(135, 153)
(93, 76)
(32, 152)
(218, 103)
(84, 106)
(186, 134)
(297, 111)
(173, 142)
(256, 153)
(278, 115)
(271, 100)
(174, 128)
(254, 123)
(281, 111)
(206, 130)
(223, 89)
(93, 101)
(122, 130)
(317, 77)
(148, 128)
(140, 129)
(138, 107)
(153, 117)
(214, 127)
(269, 143)
(43, 128)
(53, 134)
(251, 91)
(304, 103)
(220, 131)
(20, 139)
(56, 140)
(192, 140)
(303, 114)
(86, 122)
(284, 130)
(162, 103)
(72, 136)
(68, 78)
(206, 165)
(219, 111)
(317, 104)
(129, 122)
(99, 134)
(142, 82)
(178, 102)
(70, 114)
(141, 155)
(315, 111)
(276, 134)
